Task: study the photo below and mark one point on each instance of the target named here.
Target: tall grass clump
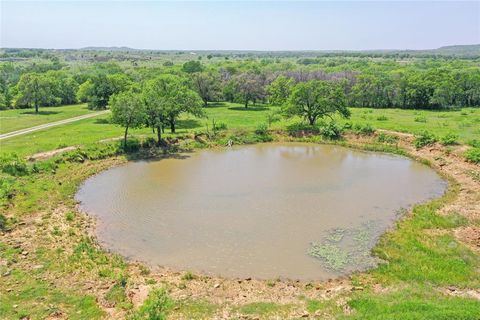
(473, 155)
(155, 307)
(424, 139)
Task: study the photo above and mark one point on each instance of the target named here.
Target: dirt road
(50, 124)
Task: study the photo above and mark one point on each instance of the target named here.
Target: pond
(292, 210)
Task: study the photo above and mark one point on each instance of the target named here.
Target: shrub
(13, 165)
(424, 139)
(382, 118)
(331, 130)
(155, 306)
(449, 140)
(188, 276)
(366, 129)
(262, 129)
(387, 138)
(474, 143)
(420, 119)
(221, 126)
(7, 188)
(473, 155)
(3, 222)
(297, 128)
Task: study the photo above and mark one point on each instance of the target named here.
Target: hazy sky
(253, 25)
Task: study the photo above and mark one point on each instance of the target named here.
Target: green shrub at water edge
(366, 129)
(449, 140)
(331, 130)
(424, 139)
(473, 155)
(474, 143)
(155, 307)
(387, 138)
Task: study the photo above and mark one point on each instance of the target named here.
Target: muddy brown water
(292, 210)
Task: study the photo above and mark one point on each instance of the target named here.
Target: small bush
(474, 143)
(366, 129)
(3, 223)
(188, 276)
(262, 129)
(155, 306)
(221, 126)
(382, 118)
(14, 165)
(387, 138)
(424, 139)
(302, 128)
(331, 130)
(420, 119)
(449, 140)
(473, 155)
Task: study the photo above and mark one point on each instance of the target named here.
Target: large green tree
(317, 99)
(279, 90)
(128, 110)
(100, 87)
(166, 98)
(207, 86)
(34, 90)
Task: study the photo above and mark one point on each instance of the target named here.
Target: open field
(465, 123)
(16, 119)
(420, 110)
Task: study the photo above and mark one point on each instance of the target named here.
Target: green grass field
(16, 119)
(465, 123)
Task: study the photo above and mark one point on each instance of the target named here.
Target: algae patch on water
(346, 250)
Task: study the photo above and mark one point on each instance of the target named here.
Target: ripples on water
(299, 211)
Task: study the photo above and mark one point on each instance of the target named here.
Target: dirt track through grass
(51, 124)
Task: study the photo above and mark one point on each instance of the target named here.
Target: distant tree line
(383, 84)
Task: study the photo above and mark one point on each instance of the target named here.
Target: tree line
(438, 85)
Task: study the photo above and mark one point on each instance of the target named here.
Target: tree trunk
(311, 120)
(159, 135)
(246, 103)
(36, 107)
(125, 137)
(172, 126)
(205, 102)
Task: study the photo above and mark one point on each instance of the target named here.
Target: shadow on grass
(253, 108)
(212, 105)
(40, 113)
(188, 124)
(101, 121)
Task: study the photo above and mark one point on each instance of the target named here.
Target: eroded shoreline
(463, 198)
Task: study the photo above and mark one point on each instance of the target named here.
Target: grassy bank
(465, 124)
(64, 273)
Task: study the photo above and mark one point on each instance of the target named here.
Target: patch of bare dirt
(49, 154)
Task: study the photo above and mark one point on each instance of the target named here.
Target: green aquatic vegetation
(332, 256)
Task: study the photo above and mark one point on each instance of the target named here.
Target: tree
(166, 98)
(316, 99)
(280, 89)
(101, 86)
(249, 87)
(34, 90)
(207, 86)
(128, 111)
(192, 66)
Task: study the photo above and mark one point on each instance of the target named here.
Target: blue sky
(247, 25)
